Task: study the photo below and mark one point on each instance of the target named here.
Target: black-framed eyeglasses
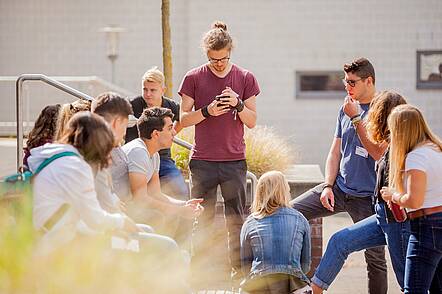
(216, 60)
(351, 83)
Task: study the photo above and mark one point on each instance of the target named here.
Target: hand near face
(350, 107)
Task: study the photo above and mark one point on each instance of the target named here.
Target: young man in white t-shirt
(156, 132)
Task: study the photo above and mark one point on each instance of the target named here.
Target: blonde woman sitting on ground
(275, 241)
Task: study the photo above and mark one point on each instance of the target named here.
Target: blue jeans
(172, 180)
(358, 208)
(423, 269)
(371, 232)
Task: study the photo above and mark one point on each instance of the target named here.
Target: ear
(113, 123)
(154, 134)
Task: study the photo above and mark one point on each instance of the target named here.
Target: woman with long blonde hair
(416, 184)
(275, 241)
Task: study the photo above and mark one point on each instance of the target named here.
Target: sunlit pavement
(7, 156)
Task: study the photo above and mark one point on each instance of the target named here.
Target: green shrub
(265, 150)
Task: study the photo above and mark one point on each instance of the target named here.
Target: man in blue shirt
(349, 171)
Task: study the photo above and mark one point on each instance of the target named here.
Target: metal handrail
(94, 80)
(19, 104)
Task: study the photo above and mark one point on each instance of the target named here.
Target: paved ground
(352, 278)
(7, 156)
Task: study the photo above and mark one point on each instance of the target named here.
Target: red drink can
(399, 213)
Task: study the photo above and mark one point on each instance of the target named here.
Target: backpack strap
(52, 158)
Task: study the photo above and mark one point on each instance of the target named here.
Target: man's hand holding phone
(223, 101)
(218, 106)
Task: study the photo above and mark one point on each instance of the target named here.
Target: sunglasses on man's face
(351, 83)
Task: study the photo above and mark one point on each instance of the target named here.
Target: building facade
(274, 39)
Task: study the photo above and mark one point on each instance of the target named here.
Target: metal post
(112, 34)
(19, 104)
(19, 116)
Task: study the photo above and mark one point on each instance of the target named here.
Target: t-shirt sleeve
(176, 111)
(338, 130)
(156, 162)
(137, 161)
(187, 86)
(416, 160)
(251, 86)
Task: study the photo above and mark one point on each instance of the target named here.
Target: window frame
(299, 94)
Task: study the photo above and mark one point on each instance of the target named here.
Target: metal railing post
(19, 117)
(19, 104)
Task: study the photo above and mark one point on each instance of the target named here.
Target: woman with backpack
(64, 192)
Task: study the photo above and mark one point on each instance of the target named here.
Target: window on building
(319, 84)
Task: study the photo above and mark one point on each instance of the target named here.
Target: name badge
(361, 151)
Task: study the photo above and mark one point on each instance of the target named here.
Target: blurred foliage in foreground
(85, 266)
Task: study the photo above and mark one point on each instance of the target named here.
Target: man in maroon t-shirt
(219, 98)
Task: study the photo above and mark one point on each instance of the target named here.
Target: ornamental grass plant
(265, 150)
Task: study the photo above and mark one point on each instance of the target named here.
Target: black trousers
(231, 177)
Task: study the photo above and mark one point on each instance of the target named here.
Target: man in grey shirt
(149, 204)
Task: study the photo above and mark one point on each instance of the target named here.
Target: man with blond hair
(172, 181)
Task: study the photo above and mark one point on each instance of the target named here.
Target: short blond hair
(272, 192)
(153, 75)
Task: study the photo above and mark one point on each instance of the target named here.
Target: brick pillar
(316, 237)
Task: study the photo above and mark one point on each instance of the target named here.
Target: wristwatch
(239, 106)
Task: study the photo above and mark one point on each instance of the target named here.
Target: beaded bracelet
(356, 120)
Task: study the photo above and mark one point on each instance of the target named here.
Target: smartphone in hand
(221, 103)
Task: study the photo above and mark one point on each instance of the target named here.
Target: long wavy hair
(272, 192)
(381, 106)
(44, 128)
(408, 130)
(67, 111)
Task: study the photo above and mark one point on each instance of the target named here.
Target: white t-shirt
(428, 158)
(139, 159)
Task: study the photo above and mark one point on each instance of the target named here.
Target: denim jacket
(279, 243)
